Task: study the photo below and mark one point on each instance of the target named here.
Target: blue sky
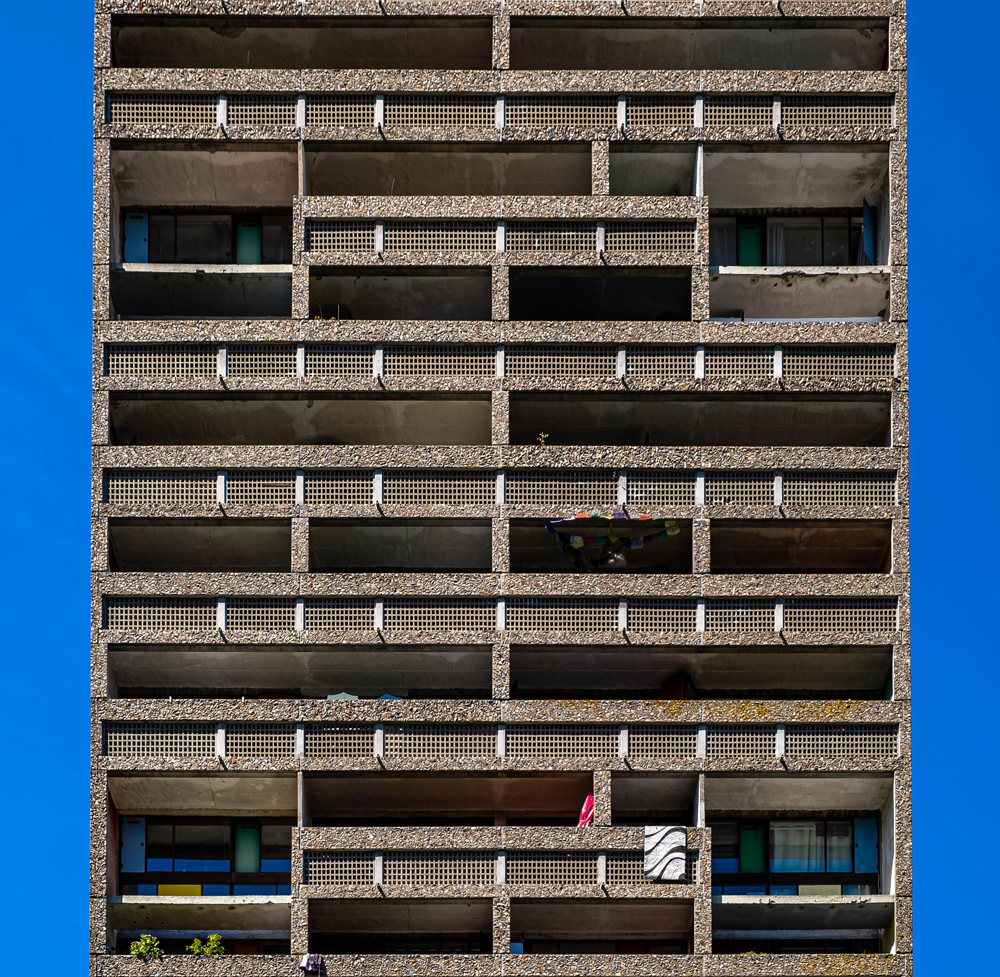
(45, 176)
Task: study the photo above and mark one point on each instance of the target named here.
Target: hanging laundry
(587, 813)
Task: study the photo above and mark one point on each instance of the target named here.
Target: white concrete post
(222, 110)
(600, 236)
(501, 614)
(379, 237)
(378, 486)
(501, 740)
(378, 868)
(300, 739)
(779, 488)
(221, 487)
(622, 614)
(378, 617)
(779, 614)
(621, 117)
(500, 367)
(699, 616)
(776, 112)
(699, 488)
(379, 111)
(699, 170)
(222, 361)
(300, 614)
(300, 487)
(622, 498)
(300, 359)
(500, 241)
(779, 740)
(623, 739)
(501, 487)
(699, 363)
(303, 174)
(602, 867)
(500, 112)
(220, 739)
(501, 868)
(220, 614)
(300, 110)
(700, 803)
(779, 368)
(621, 362)
(701, 743)
(699, 111)
(378, 360)
(378, 740)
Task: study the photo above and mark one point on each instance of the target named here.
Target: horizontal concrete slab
(802, 912)
(236, 795)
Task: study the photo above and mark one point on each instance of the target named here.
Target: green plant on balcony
(210, 948)
(146, 946)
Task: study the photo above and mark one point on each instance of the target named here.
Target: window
(214, 239)
(787, 240)
(205, 856)
(795, 857)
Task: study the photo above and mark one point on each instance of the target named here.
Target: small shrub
(211, 947)
(146, 946)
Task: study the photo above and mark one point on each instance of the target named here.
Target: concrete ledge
(802, 912)
(231, 914)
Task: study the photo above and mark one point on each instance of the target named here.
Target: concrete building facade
(500, 451)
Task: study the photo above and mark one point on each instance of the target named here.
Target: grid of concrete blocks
(495, 405)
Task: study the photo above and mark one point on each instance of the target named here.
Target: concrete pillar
(378, 360)
(776, 113)
(779, 488)
(500, 369)
(602, 798)
(622, 491)
(222, 110)
(501, 740)
(602, 867)
(501, 614)
(378, 868)
(378, 621)
(300, 739)
(501, 923)
(622, 614)
(699, 111)
(222, 360)
(599, 237)
(303, 179)
(379, 237)
(300, 359)
(501, 237)
(699, 616)
(701, 547)
(500, 402)
(500, 538)
(600, 167)
(221, 487)
(500, 112)
(701, 744)
(699, 170)
(379, 121)
(621, 362)
(699, 363)
(378, 486)
(621, 115)
(300, 545)
(623, 739)
(500, 873)
(300, 110)
(779, 614)
(501, 487)
(220, 739)
(699, 488)
(378, 740)
(778, 370)
(220, 614)
(300, 614)
(300, 487)
(779, 740)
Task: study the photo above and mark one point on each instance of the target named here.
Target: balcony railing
(493, 111)
(591, 741)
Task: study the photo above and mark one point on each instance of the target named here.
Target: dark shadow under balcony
(535, 550)
(427, 799)
(855, 420)
(289, 418)
(300, 671)
(401, 293)
(601, 294)
(664, 672)
(200, 545)
(801, 546)
(343, 545)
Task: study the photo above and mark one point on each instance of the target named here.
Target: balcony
(284, 418)
(277, 671)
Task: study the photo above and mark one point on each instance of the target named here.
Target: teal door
(751, 848)
(248, 242)
(865, 845)
(137, 238)
(247, 844)
(133, 844)
(749, 243)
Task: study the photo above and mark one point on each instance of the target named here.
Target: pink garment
(587, 812)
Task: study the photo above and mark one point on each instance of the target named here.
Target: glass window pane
(201, 848)
(721, 241)
(836, 241)
(161, 237)
(215, 890)
(253, 890)
(276, 240)
(794, 241)
(276, 848)
(159, 847)
(839, 847)
(797, 846)
(784, 890)
(204, 237)
(744, 890)
(725, 846)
